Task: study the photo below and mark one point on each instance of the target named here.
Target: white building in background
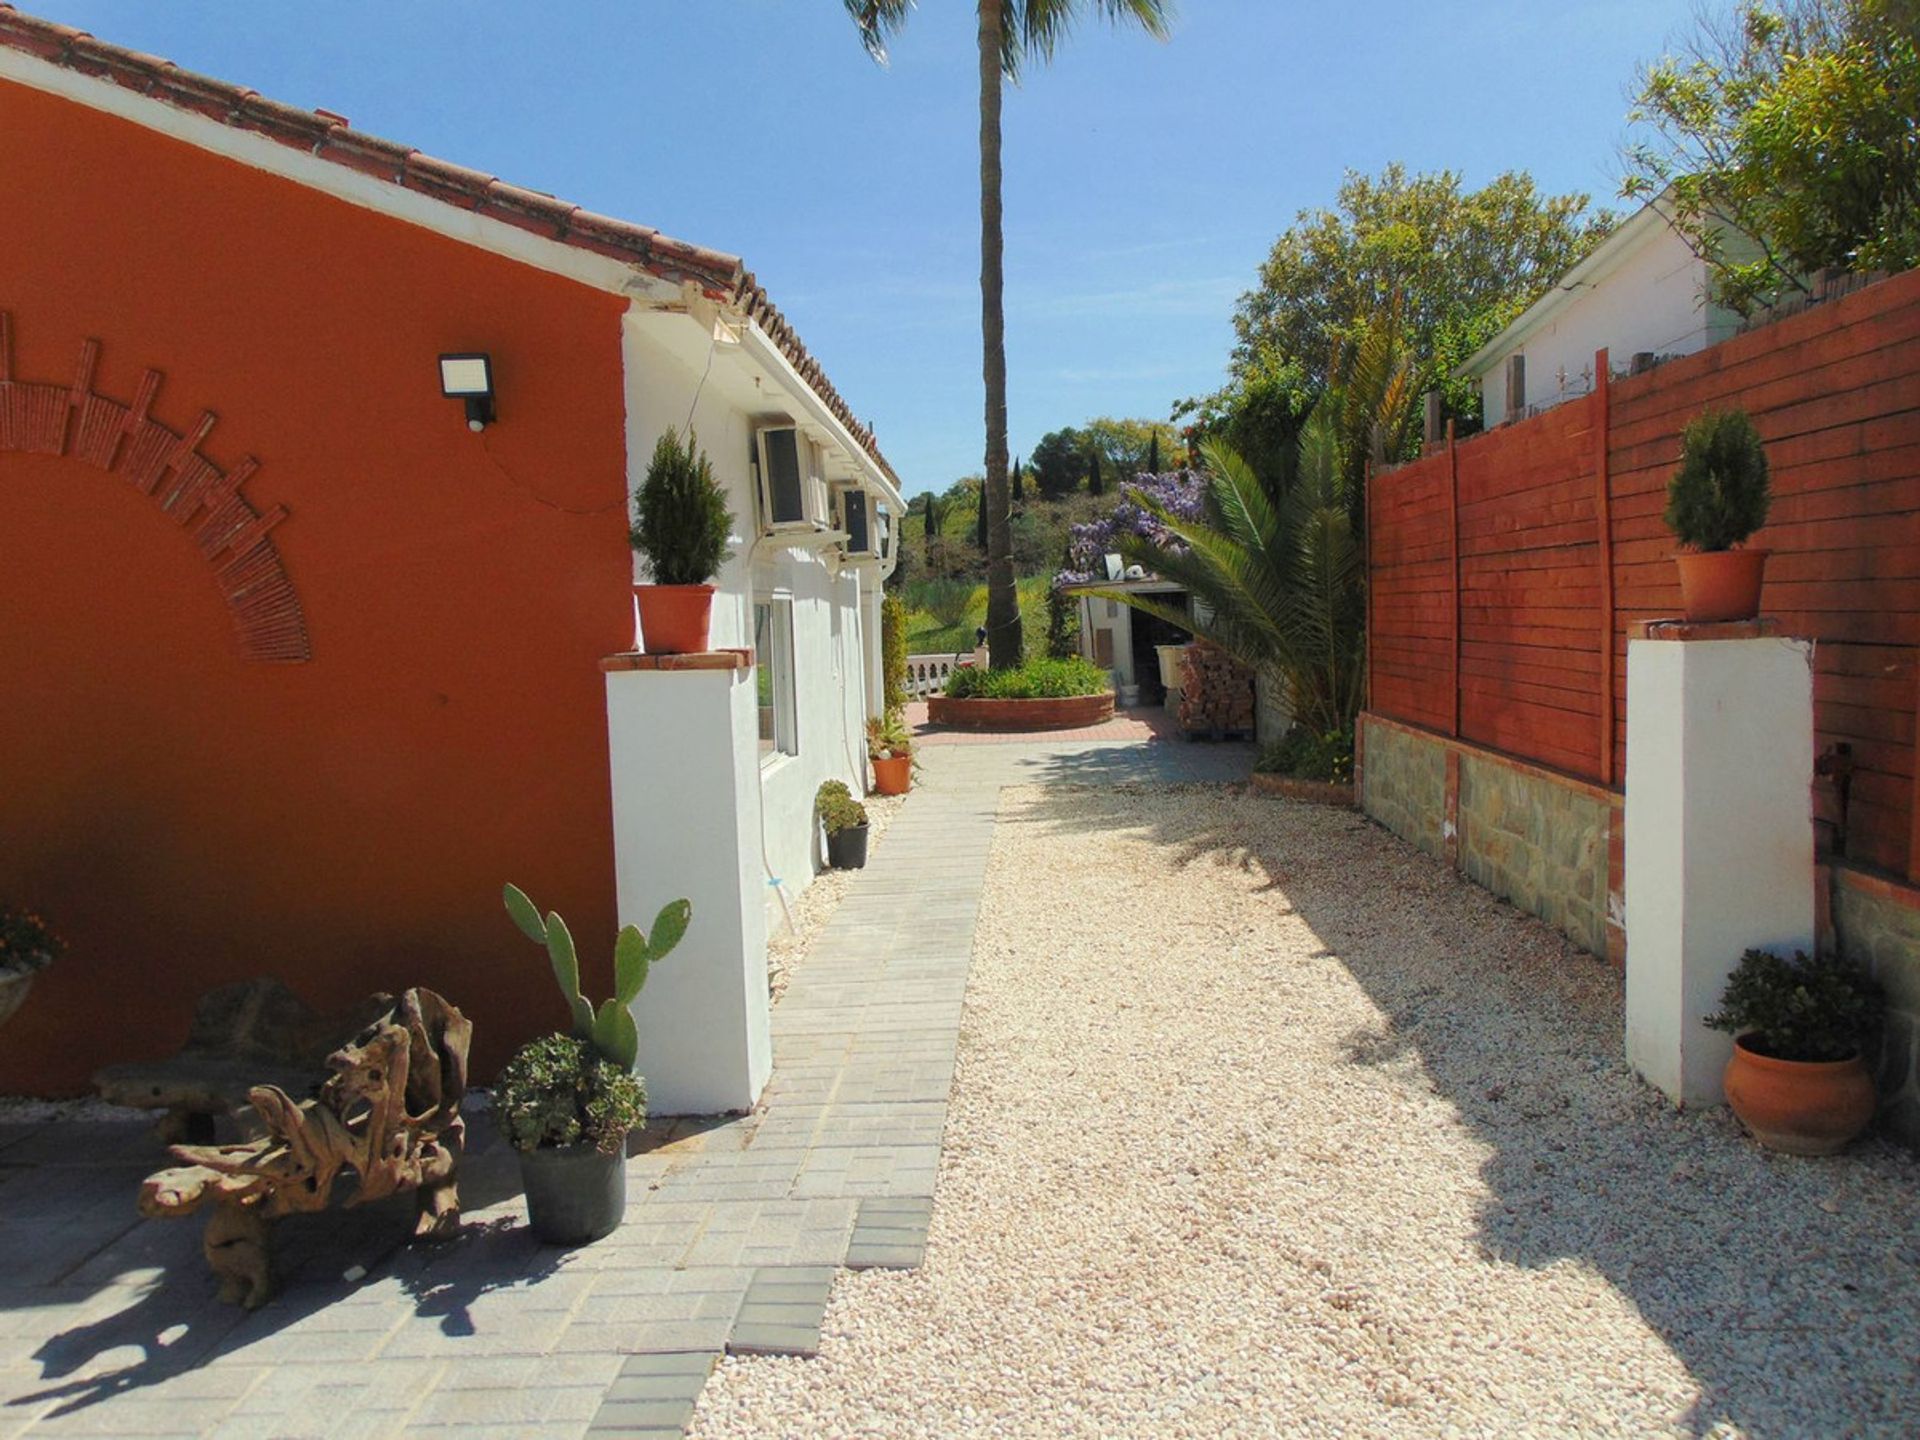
(1642, 292)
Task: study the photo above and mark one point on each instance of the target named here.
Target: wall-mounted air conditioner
(853, 516)
(792, 481)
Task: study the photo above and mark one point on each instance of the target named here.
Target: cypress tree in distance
(1095, 485)
(1153, 455)
(980, 528)
(1019, 487)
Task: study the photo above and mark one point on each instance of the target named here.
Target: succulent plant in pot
(845, 821)
(27, 946)
(890, 748)
(1796, 1079)
(566, 1102)
(681, 524)
(1716, 499)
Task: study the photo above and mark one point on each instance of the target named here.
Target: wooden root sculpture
(389, 1111)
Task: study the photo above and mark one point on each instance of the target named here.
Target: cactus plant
(609, 1029)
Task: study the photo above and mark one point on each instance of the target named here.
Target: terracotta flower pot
(893, 776)
(1804, 1107)
(674, 619)
(1720, 584)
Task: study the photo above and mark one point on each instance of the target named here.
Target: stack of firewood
(1216, 692)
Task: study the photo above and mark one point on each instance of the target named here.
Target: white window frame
(775, 669)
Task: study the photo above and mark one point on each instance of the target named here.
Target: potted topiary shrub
(681, 525)
(566, 1102)
(27, 947)
(890, 748)
(1716, 499)
(1796, 1079)
(845, 819)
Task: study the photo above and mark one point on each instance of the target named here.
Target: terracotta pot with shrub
(27, 947)
(566, 1102)
(1717, 498)
(681, 524)
(890, 748)
(845, 821)
(1796, 1079)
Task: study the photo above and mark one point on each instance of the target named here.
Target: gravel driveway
(1266, 1125)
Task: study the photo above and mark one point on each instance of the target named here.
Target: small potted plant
(566, 1102)
(1716, 499)
(1796, 1079)
(890, 747)
(681, 526)
(845, 819)
(27, 947)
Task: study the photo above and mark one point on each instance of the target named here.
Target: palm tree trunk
(1003, 604)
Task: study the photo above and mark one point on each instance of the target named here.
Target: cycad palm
(1011, 32)
(1278, 583)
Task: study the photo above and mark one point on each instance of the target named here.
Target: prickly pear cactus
(610, 1029)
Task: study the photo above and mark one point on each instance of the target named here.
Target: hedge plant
(681, 518)
(1800, 1009)
(1720, 494)
(1043, 678)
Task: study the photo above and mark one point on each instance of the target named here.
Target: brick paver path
(734, 1227)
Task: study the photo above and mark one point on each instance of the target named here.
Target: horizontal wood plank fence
(1506, 570)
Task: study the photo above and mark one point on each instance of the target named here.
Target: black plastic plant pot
(575, 1194)
(847, 849)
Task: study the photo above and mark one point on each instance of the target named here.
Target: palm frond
(876, 20)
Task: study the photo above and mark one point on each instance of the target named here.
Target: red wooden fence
(1506, 570)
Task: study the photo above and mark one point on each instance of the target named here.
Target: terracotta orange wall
(188, 817)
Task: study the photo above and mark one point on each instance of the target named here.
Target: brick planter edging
(1313, 792)
(1069, 712)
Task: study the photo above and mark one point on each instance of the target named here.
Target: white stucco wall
(829, 647)
(1653, 299)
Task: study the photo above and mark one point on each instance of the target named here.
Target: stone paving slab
(735, 1225)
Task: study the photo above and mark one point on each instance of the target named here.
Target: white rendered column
(686, 822)
(1719, 851)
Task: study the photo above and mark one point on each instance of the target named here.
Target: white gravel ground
(1266, 1125)
(815, 905)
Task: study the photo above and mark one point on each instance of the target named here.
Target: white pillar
(1719, 838)
(686, 822)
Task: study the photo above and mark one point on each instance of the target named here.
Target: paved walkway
(734, 1229)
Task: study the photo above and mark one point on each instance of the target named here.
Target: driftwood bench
(253, 1032)
(388, 1112)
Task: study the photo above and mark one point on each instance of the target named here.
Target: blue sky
(1144, 182)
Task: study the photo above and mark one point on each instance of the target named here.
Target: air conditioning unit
(853, 516)
(792, 482)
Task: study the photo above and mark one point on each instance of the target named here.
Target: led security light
(469, 378)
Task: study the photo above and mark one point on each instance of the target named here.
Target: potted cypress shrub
(1715, 500)
(681, 525)
(27, 947)
(845, 819)
(1796, 1079)
(890, 748)
(566, 1102)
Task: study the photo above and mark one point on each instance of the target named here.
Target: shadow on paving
(126, 1303)
(1745, 1262)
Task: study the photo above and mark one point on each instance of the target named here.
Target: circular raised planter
(1314, 792)
(1070, 712)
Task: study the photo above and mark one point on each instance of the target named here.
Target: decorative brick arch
(166, 466)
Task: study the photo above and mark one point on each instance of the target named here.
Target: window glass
(773, 675)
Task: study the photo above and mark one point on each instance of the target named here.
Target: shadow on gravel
(1767, 1276)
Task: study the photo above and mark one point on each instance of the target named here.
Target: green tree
(1010, 33)
(1783, 139)
(1059, 461)
(983, 528)
(1096, 485)
(1460, 264)
(1019, 486)
(1124, 446)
